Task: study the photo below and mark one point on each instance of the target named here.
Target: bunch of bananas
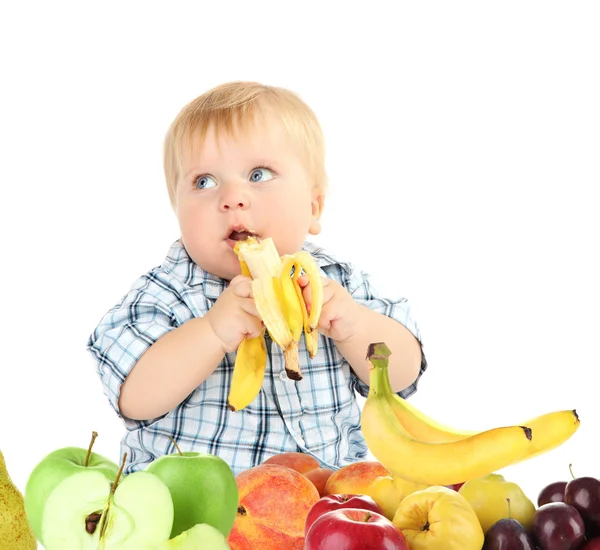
(280, 303)
(417, 448)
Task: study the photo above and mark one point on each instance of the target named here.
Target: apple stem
(89, 451)
(367, 517)
(176, 446)
(508, 500)
(116, 481)
(571, 470)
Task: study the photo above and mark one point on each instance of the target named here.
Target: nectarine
(274, 502)
(319, 477)
(300, 462)
(355, 478)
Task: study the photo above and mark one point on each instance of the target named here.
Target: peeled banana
(280, 303)
(416, 447)
(424, 462)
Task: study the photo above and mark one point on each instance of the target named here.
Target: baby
(244, 158)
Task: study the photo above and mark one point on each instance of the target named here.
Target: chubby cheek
(196, 230)
(289, 228)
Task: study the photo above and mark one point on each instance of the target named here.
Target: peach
(273, 504)
(300, 462)
(355, 479)
(319, 477)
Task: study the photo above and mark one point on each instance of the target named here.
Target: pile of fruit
(76, 499)
(363, 505)
(430, 488)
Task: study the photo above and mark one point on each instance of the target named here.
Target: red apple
(353, 529)
(337, 501)
(592, 544)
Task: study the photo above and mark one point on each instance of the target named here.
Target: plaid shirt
(318, 415)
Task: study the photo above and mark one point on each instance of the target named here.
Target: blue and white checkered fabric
(319, 414)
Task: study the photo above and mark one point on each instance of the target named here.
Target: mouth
(239, 233)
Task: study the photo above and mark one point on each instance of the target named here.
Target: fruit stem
(103, 525)
(176, 446)
(116, 481)
(378, 352)
(508, 500)
(367, 517)
(571, 470)
(89, 451)
(378, 355)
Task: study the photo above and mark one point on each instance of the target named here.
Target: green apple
(83, 512)
(200, 537)
(487, 496)
(203, 489)
(53, 469)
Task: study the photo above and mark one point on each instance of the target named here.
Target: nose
(234, 197)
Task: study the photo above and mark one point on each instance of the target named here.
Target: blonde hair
(236, 105)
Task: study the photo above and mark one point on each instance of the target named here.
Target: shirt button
(283, 375)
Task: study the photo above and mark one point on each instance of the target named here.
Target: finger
(248, 306)
(239, 278)
(242, 287)
(253, 325)
(307, 295)
(303, 281)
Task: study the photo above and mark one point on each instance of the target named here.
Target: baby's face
(255, 183)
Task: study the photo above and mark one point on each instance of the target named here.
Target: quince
(487, 496)
(438, 518)
(389, 491)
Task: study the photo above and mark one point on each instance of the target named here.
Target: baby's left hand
(339, 317)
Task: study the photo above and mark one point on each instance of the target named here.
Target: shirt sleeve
(359, 286)
(123, 336)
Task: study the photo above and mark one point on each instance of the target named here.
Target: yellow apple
(438, 518)
(487, 496)
(388, 492)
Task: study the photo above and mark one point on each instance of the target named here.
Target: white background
(463, 145)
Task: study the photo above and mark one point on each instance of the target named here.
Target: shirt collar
(179, 264)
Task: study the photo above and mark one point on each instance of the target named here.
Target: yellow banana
(279, 299)
(311, 320)
(305, 261)
(293, 310)
(431, 463)
(549, 430)
(292, 301)
(249, 367)
(248, 372)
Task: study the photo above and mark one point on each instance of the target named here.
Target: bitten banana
(249, 367)
(281, 306)
(549, 430)
(431, 463)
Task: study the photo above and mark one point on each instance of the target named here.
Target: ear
(316, 210)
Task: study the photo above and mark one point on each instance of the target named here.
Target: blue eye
(204, 182)
(261, 174)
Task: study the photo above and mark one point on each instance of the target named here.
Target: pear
(15, 532)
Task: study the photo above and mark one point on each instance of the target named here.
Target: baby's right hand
(234, 315)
